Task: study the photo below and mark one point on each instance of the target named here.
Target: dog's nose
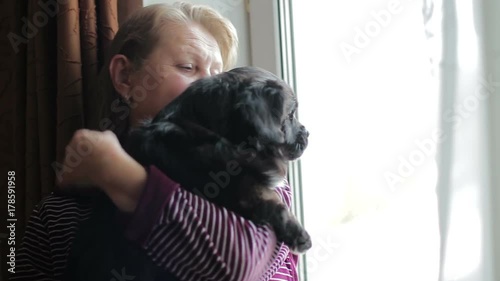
(303, 129)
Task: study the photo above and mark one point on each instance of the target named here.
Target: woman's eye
(187, 66)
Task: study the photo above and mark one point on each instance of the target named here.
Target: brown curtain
(50, 54)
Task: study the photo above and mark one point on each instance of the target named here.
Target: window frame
(271, 48)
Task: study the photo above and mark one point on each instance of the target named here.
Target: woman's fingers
(85, 156)
(96, 159)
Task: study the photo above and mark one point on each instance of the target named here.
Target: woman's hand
(97, 158)
(87, 156)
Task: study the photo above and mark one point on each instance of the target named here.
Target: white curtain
(464, 36)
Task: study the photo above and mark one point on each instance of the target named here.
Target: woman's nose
(205, 73)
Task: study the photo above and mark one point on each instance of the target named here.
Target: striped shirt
(184, 234)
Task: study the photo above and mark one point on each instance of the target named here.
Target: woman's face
(183, 55)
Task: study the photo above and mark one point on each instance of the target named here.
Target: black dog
(229, 138)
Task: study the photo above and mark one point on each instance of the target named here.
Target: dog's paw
(296, 238)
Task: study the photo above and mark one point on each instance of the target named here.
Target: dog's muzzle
(295, 150)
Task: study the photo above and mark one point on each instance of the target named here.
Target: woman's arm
(285, 266)
(195, 239)
(163, 198)
(186, 235)
(274, 260)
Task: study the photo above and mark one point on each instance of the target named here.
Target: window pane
(367, 97)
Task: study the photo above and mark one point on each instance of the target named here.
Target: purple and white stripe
(183, 233)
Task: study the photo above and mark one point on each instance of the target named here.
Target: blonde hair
(138, 36)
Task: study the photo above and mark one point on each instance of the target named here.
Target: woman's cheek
(180, 85)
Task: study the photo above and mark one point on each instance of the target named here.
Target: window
(367, 179)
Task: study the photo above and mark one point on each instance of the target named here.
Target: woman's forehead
(189, 39)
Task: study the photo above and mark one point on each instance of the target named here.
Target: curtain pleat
(89, 45)
(108, 23)
(50, 57)
(12, 114)
(466, 60)
(490, 47)
(69, 76)
(32, 145)
(45, 65)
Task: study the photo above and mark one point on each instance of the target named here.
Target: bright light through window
(367, 96)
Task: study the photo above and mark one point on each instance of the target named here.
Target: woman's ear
(120, 69)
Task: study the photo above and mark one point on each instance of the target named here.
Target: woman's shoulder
(50, 232)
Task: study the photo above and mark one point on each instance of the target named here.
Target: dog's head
(245, 105)
(267, 107)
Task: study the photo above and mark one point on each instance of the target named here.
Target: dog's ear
(261, 111)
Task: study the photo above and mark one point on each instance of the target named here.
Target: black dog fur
(229, 138)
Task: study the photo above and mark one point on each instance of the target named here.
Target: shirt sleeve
(285, 263)
(34, 258)
(195, 239)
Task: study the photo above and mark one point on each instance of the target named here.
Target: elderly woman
(148, 227)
